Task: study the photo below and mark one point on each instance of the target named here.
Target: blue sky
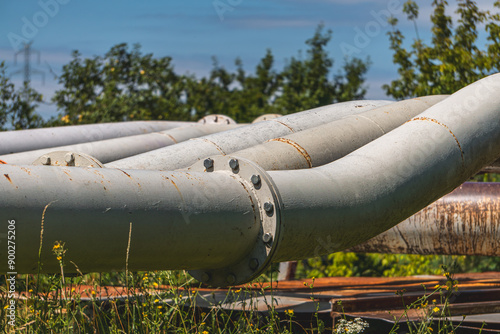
(192, 31)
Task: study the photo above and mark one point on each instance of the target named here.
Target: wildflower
(159, 306)
(238, 291)
(142, 72)
(430, 328)
(112, 69)
(59, 258)
(65, 119)
(202, 324)
(30, 290)
(56, 246)
(446, 274)
(155, 284)
(436, 309)
(289, 312)
(203, 314)
(156, 300)
(305, 284)
(434, 301)
(5, 307)
(436, 286)
(204, 332)
(93, 293)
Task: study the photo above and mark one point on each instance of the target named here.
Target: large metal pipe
(464, 222)
(32, 139)
(228, 218)
(328, 142)
(185, 154)
(349, 201)
(118, 148)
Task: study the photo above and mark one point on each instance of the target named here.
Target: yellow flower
(65, 119)
(305, 284)
(155, 284)
(238, 291)
(56, 246)
(59, 258)
(436, 309)
(430, 328)
(156, 300)
(142, 72)
(72, 289)
(159, 306)
(203, 314)
(112, 69)
(204, 332)
(5, 307)
(436, 286)
(289, 312)
(433, 300)
(30, 290)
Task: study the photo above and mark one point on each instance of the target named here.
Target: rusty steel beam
(464, 222)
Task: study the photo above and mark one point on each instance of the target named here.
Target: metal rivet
(268, 207)
(234, 164)
(254, 263)
(231, 279)
(69, 158)
(45, 160)
(267, 238)
(208, 163)
(205, 277)
(255, 179)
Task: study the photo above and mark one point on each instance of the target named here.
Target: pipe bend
(344, 203)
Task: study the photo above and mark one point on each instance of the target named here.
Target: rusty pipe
(118, 148)
(328, 142)
(464, 222)
(349, 201)
(32, 139)
(185, 154)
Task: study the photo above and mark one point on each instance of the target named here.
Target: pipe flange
(268, 205)
(68, 158)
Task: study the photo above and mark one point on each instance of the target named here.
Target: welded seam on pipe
(216, 146)
(169, 136)
(284, 124)
(299, 148)
(447, 128)
(372, 121)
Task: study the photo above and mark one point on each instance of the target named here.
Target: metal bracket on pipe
(68, 158)
(268, 205)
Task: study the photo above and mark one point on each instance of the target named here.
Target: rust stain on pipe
(2, 162)
(447, 128)
(169, 136)
(8, 178)
(464, 222)
(299, 148)
(216, 146)
(288, 126)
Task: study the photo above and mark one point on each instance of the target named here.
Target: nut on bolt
(231, 279)
(205, 277)
(69, 158)
(268, 207)
(267, 238)
(45, 160)
(208, 163)
(255, 179)
(253, 264)
(234, 164)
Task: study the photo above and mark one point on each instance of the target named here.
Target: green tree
(122, 85)
(307, 83)
(17, 107)
(452, 60)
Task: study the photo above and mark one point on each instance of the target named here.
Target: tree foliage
(126, 84)
(452, 59)
(17, 106)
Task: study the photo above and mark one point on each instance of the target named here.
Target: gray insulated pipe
(227, 219)
(187, 153)
(33, 139)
